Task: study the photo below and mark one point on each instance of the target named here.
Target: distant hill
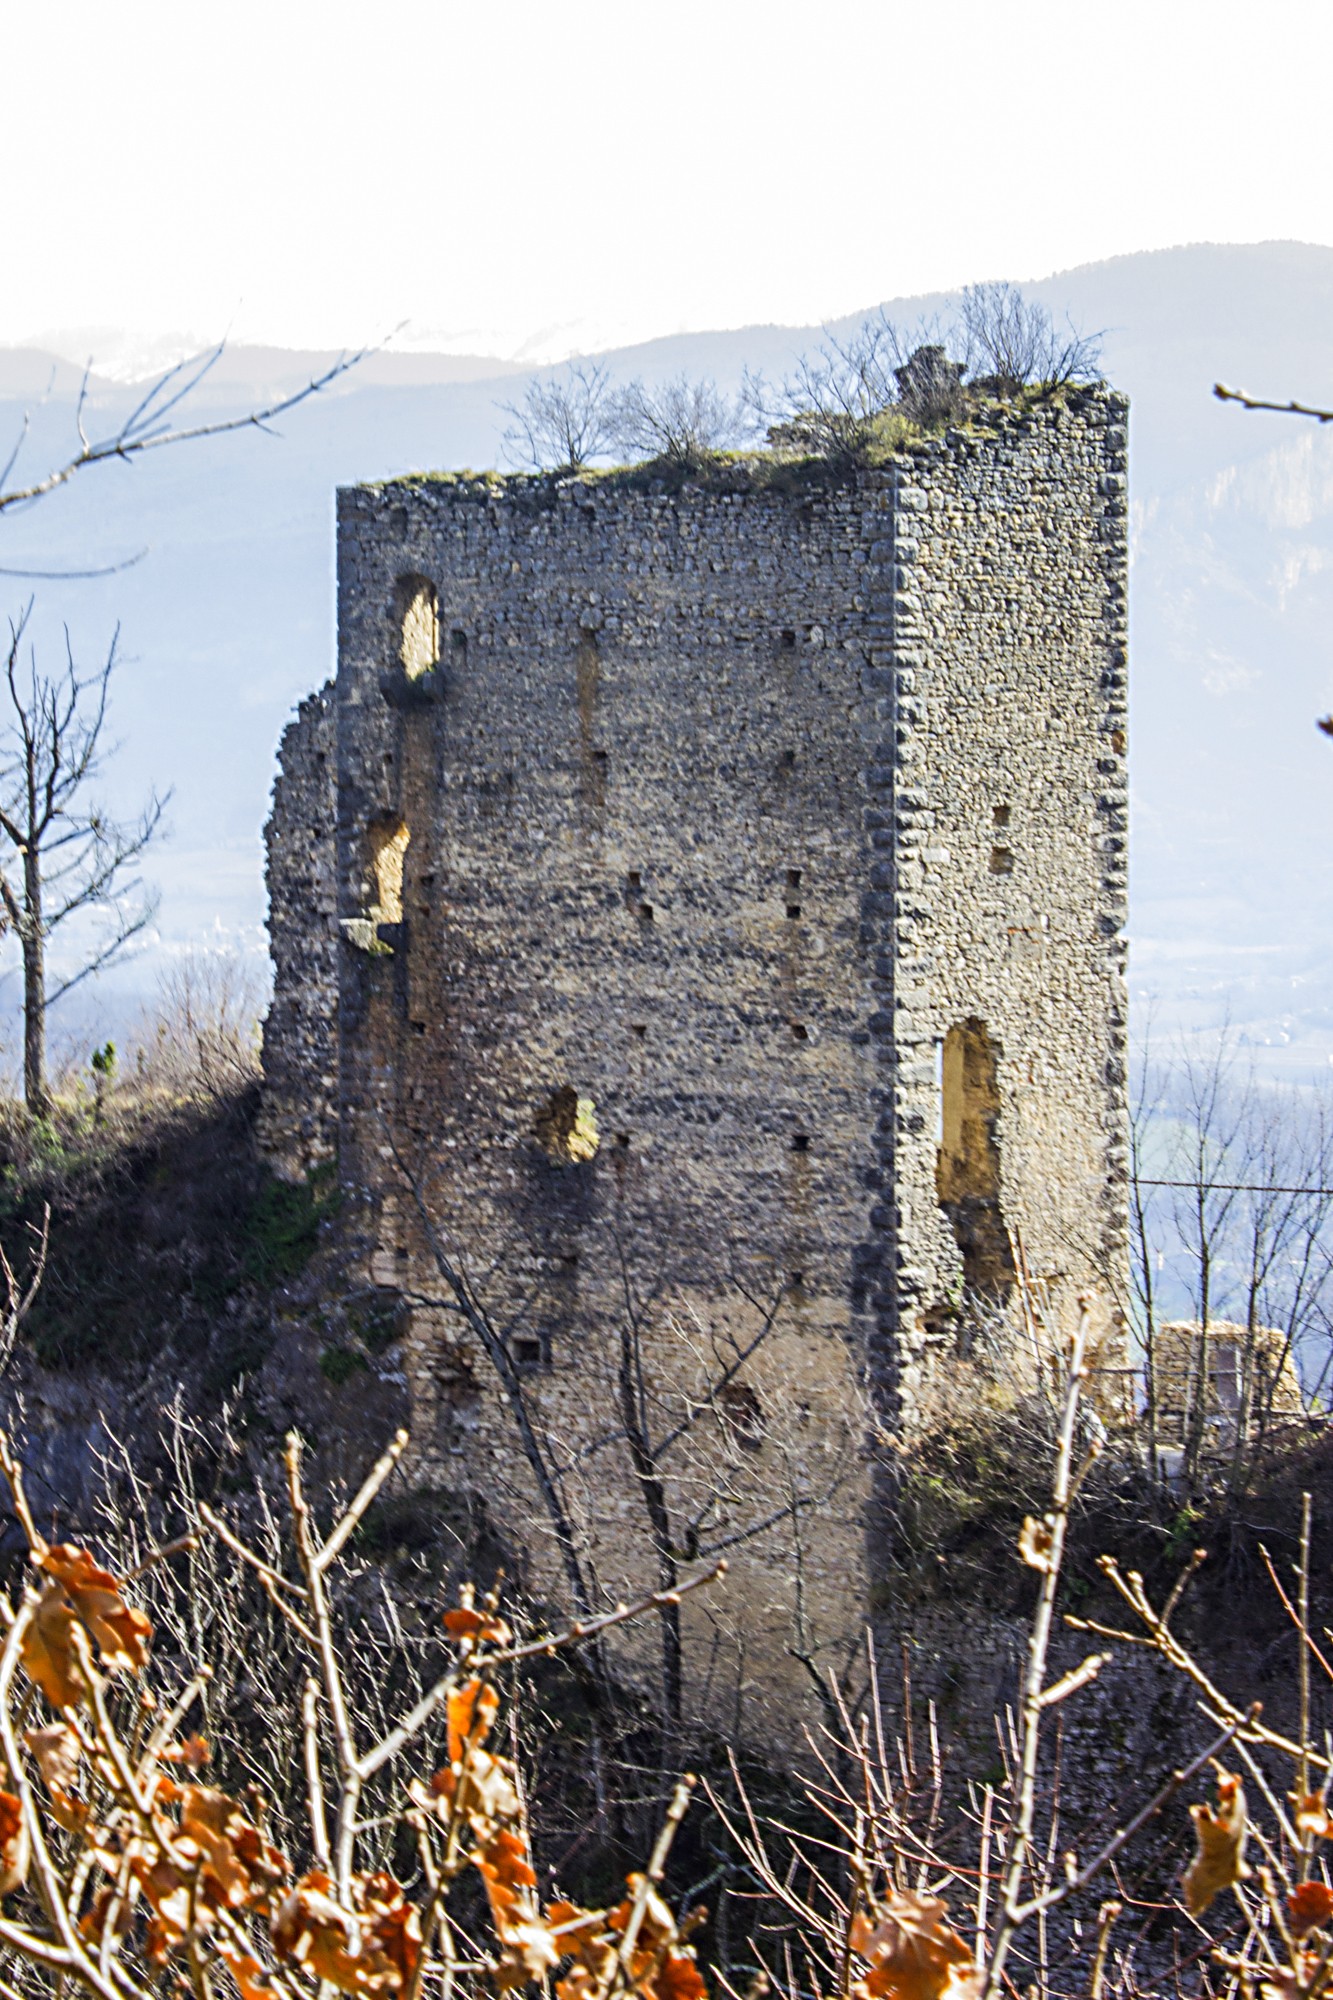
(228, 619)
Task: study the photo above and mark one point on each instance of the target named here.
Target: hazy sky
(530, 176)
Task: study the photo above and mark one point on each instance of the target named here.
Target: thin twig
(1106, 1916)
(583, 1628)
(370, 1486)
(1055, 1525)
(319, 1825)
(1293, 409)
(247, 1555)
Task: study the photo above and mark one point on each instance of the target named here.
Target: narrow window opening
(788, 641)
(789, 758)
(967, 1171)
(1002, 861)
(529, 1350)
(458, 640)
(793, 910)
(1000, 816)
(388, 838)
(417, 614)
(793, 878)
(566, 1127)
(646, 912)
(634, 879)
(796, 1279)
(800, 1142)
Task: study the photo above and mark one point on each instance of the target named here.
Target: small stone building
(697, 916)
(1253, 1386)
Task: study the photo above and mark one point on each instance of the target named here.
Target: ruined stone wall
(298, 1125)
(683, 804)
(1010, 829)
(634, 871)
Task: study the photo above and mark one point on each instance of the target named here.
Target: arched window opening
(417, 617)
(388, 851)
(967, 1170)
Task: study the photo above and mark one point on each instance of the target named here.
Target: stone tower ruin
(697, 913)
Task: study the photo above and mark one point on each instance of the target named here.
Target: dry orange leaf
(657, 1969)
(1312, 1816)
(193, 1753)
(657, 1926)
(575, 1928)
(472, 1712)
(1309, 1905)
(678, 1978)
(584, 1936)
(237, 1867)
(912, 1952)
(372, 1948)
(14, 1853)
(79, 1592)
(1219, 1858)
(218, 1860)
(49, 1656)
(1034, 1544)
(59, 1755)
(93, 1921)
(250, 1976)
(486, 1786)
(528, 1949)
(465, 1623)
(119, 1631)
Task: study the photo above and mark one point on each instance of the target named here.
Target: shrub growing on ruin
(564, 420)
(683, 422)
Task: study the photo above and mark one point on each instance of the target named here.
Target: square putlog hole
(1002, 861)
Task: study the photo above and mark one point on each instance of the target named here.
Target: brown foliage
(1219, 1858)
(911, 1952)
(147, 1879)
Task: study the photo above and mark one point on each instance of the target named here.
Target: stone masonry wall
(298, 1128)
(1010, 823)
(786, 827)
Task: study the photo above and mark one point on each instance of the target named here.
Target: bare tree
(564, 421)
(1010, 341)
(69, 857)
(683, 422)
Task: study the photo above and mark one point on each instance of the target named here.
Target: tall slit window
(417, 618)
